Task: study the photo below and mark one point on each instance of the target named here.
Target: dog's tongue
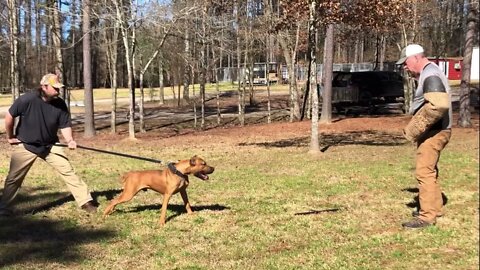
(202, 176)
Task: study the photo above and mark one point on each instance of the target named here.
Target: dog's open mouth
(201, 176)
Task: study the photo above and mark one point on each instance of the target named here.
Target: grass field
(77, 95)
(268, 205)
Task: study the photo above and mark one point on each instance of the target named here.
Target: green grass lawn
(77, 95)
(265, 207)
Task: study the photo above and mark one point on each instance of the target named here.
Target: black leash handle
(112, 153)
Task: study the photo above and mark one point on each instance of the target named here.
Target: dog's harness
(173, 169)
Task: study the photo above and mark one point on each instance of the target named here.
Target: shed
(452, 66)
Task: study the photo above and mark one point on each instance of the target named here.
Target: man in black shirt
(41, 114)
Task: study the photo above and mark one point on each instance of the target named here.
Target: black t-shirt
(39, 121)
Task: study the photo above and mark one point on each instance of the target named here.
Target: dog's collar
(173, 169)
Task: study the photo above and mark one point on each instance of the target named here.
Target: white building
(474, 69)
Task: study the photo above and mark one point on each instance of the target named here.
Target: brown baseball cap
(51, 79)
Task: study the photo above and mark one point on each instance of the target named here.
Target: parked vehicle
(261, 73)
(367, 88)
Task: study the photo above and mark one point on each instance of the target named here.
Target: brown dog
(167, 182)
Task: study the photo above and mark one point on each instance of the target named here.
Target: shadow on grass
(375, 138)
(26, 240)
(28, 201)
(33, 204)
(177, 208)
(316, 212)
(415, 203)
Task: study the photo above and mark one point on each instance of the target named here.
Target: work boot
(90, 207)
(416, 213)
(417, 223)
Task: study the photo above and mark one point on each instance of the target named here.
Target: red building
(451, 66)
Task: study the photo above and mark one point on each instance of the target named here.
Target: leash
(112, 153)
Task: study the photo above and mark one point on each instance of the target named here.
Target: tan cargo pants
(426, 172)
(21, 162)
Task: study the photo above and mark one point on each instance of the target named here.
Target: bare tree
(268, 42)
(73, 44)
(14, 63)
(327, 77)
(203, 62)
(27, 69)
(144, 69)
(161, 90)
(128, 32)
(57, 42)
(289, 49)
(39, 9)
(312, 29)
(87, 72)
(186, 73)
(240, 76)
(465, 114)
(111, 38)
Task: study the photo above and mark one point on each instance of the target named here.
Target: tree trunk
(290, 55)
(269, 112)
(87, 72)
(27, 68)
(327, 77)
(465, 114)
(249, 62)
(362, 50)
(161, 90)
(13, 28)
(129, 44)
(268, 43)
(57, 43)
(73, 44)
(217, 87)
(240, 76)
(203, 66)
(195, 117)
(294, 98)
(38, 38)
(141, 105)
(383, 44)
(186, 72)
(355, 54)
(112, 59)
(312, 29)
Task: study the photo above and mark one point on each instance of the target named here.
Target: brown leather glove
(435, 108)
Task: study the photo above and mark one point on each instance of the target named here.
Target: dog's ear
(193, 161)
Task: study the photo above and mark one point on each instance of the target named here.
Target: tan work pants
(426, 172)
(21, 162)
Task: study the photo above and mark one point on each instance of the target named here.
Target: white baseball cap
(412, 49)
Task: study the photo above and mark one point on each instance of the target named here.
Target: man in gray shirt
(429, 128)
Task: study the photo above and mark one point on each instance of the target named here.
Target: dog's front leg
(166, 199)
(185, 200)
